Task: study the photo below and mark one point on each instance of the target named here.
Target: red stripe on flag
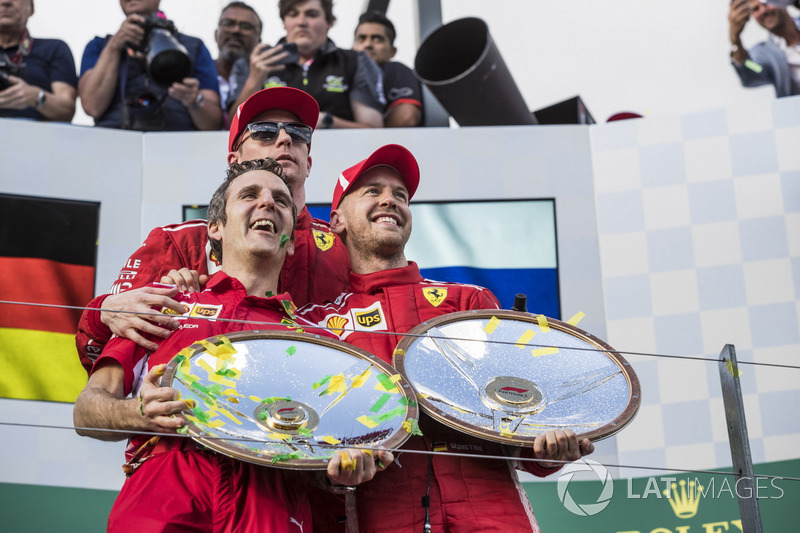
(47, 282)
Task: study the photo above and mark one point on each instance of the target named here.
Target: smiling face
(258, 213)
(374, 218)
(293, 156)
(238, 32)
(306, 25)
(373, 39)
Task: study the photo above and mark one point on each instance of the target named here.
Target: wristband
(41, 100)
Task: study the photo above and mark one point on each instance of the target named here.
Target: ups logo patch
(370, 318)
(206, 311)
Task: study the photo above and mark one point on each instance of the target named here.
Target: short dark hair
(219, 200)
(284, 6)
(242, 5)
(379, 18)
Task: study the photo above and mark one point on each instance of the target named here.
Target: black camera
(9, 68)
(166, 58)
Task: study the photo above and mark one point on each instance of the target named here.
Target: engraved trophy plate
(289, 400)
(508, 376)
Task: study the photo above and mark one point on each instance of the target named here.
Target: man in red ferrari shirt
(372, 217)
(277, 123)
(251, 222)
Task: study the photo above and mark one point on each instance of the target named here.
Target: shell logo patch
(186, 309)
(336, 324)
(435, 295)
(206, 311)
(323, 240)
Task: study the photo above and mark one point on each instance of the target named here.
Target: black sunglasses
(230, 23)
(268, 131)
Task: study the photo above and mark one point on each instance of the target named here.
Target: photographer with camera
(775, 61)
(347, 84)
(148, 76)
(37, 76)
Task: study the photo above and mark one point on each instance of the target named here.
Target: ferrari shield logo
(435, 295)
(323, 239)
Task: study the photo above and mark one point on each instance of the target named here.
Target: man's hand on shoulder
(122, 320)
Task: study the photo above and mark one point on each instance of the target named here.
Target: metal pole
(746, 488)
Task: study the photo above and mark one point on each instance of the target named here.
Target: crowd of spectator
(148, 76)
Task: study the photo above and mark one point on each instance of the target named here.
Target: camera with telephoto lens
(167, 60)
(9, 68)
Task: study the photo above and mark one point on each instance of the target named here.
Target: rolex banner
(669, 502)
(48, 249)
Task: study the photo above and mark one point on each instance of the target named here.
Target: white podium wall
(676, 235)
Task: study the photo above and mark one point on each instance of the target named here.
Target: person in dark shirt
(37, 76)
(118, 92)
(375, 36)
(347, 84)
(238, 32)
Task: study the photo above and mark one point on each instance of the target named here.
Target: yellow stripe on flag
(39, 365)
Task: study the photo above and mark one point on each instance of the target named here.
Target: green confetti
(752, 65)
(273, 399)
(284, 239)
(183, 430)
(291, 350)
(386, 382)
(405, 401)
(322, 382)
(263, 415)
(287, 457)
(201, 415)
(415, 427)
(381, 402)
(397, 411)
(269, 294)
(304, 432)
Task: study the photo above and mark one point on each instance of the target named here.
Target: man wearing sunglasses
(277, 123)
(775, 61)
(238, 32)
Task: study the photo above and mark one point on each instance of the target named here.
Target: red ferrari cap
(391, 155)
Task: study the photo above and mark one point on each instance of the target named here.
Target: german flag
(48, 250)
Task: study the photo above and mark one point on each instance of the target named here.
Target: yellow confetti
(234, 392)
(492, 325)
(330, 440)
(226, 413)
(538, 352)
(367, 421)
(398, 352)
(216, 378)
(525, 338)
(337, 384)
(348, 463)
(205, 366)
(214, 424)
(576, 318)
(361, 379)
(396, 378)
(732, 369)
(189, 403)
(256, 399)
(543, 325)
